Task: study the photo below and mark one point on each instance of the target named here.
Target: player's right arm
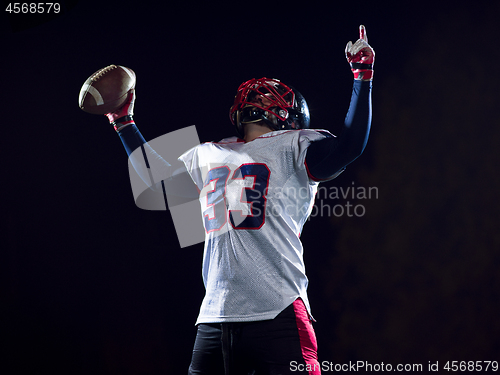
(156, 172)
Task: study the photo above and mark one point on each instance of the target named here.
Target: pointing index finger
(362, 33)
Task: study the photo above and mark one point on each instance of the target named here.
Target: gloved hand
(361, 57)
(124, 115)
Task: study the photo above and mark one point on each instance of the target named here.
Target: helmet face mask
(279, 106)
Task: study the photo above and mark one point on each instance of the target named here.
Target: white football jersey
(255, 198)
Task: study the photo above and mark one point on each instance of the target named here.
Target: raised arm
(327, 157)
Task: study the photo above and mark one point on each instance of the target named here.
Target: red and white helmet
(281, 107)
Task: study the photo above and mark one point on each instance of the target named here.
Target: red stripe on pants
(308, 343)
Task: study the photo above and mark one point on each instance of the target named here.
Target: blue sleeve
(131, 138)
(176, 181)
(330, 155)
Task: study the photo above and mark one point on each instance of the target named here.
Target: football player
(256, 191)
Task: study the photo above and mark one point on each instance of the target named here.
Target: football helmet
(280, 106)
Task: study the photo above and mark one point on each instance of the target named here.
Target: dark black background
(93, 285)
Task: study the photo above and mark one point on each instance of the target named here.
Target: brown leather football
(106, 90)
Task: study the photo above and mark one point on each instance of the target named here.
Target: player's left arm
(326, 157)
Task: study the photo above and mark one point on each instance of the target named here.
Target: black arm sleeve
(330, 155)
(131, 138)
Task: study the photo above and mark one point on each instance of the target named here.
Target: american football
(106, 90)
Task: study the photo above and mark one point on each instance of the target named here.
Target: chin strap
(254, 114)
